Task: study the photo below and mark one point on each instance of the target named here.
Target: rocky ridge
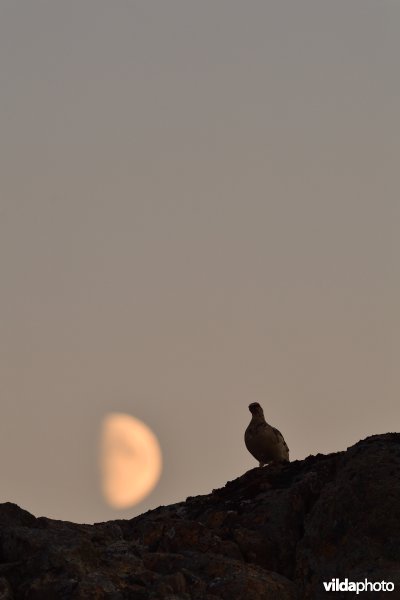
(273, 533)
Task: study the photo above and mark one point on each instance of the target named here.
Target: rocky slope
(273, 533)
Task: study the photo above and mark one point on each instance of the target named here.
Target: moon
(130, 460)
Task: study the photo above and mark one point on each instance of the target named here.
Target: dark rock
(274, 533)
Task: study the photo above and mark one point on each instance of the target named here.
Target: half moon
(131, 460)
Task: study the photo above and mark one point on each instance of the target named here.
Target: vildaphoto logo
(336, 585)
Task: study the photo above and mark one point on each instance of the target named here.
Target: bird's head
(256, 410)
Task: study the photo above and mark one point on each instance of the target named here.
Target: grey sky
(199, 209)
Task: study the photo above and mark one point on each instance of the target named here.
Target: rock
(273, 533)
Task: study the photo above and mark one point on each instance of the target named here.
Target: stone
(273, 533)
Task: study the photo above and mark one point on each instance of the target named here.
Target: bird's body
(262, 440)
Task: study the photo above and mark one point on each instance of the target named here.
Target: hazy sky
(199, 209)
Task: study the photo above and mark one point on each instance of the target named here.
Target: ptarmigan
(262, 440)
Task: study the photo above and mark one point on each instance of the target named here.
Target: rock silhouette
(273, 533)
